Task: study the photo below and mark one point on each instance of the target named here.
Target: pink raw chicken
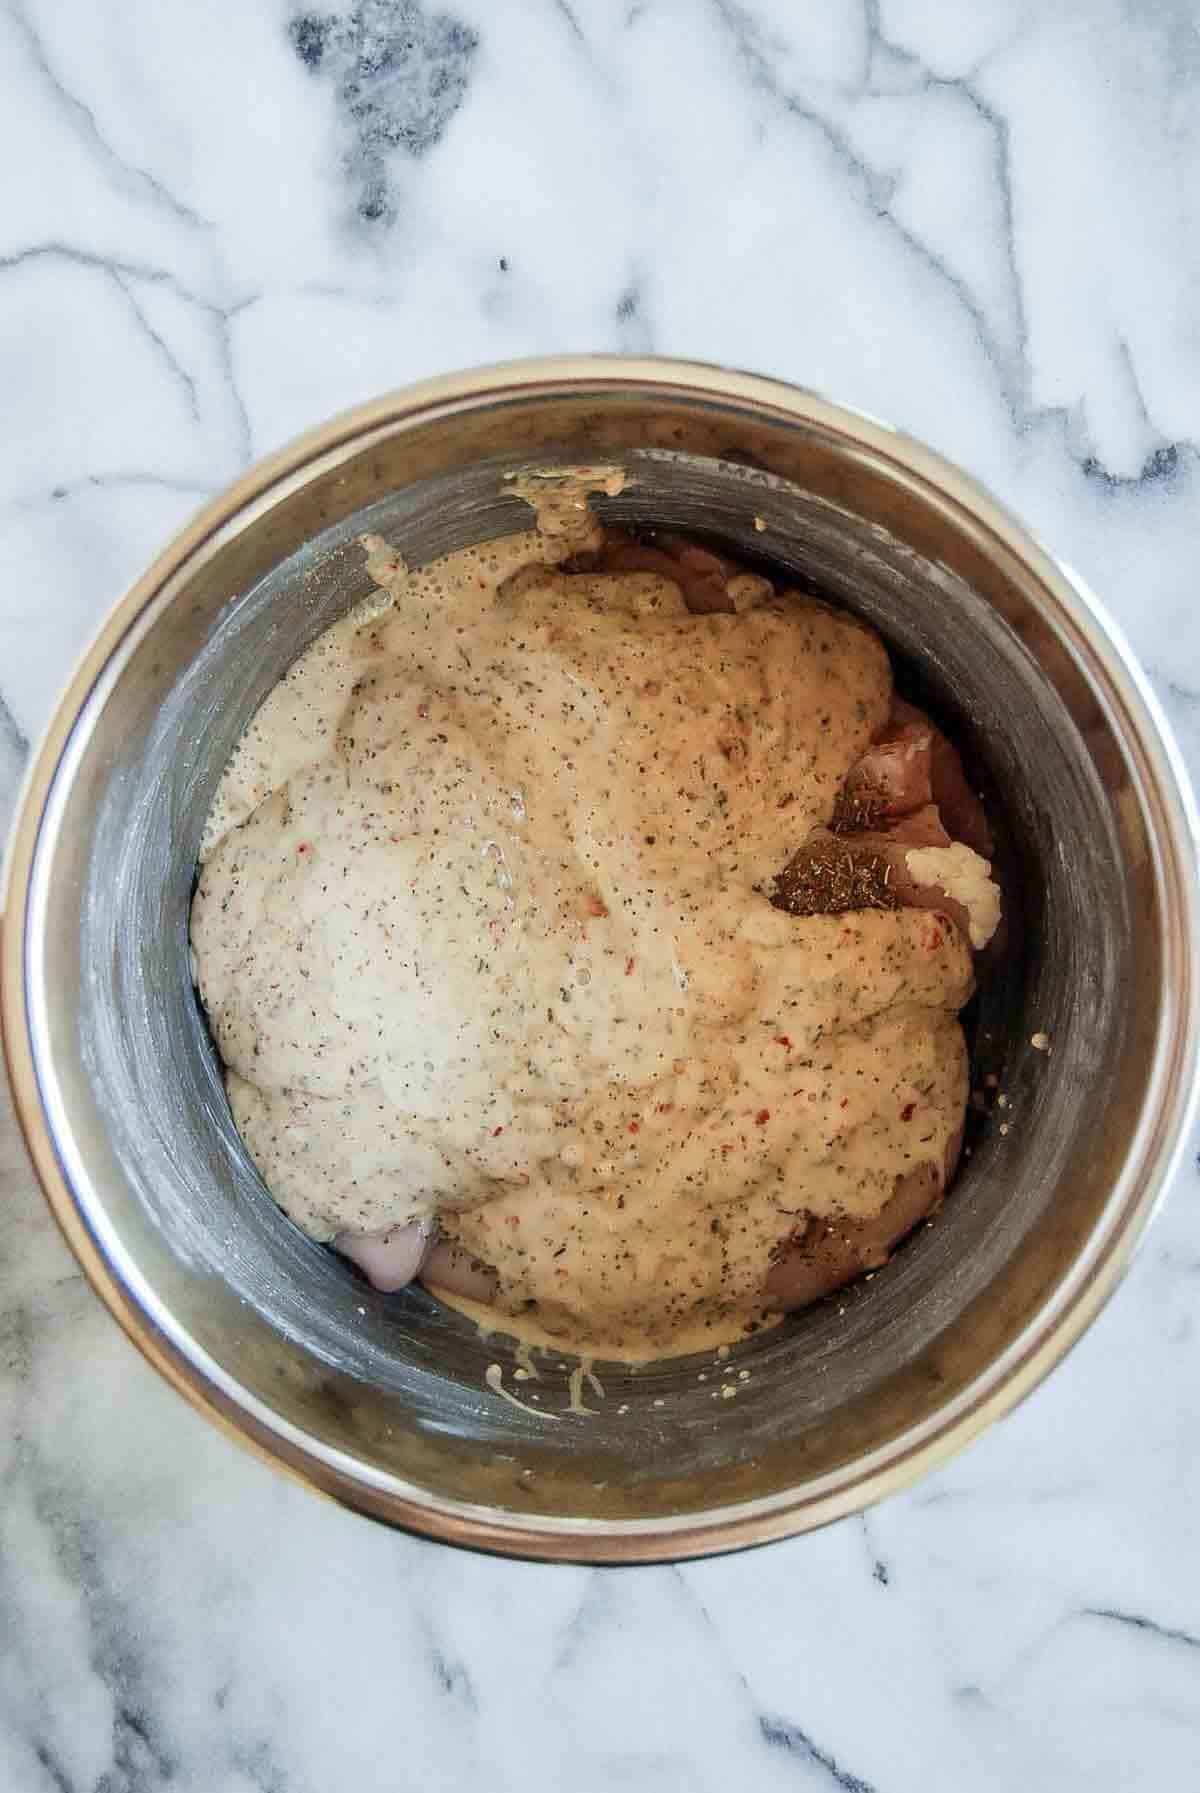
(912, 764)
(389, 1258)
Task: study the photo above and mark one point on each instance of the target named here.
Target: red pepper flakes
(595, 905)
(513, 1219)
(303, 847)
(629, 965)
(932, 940)
(762, 1117)
(907, 1112)
(664, 1108)
(423, 712)
(845, 1102)
(781, 1039)
(635, 1126)
(496, 1132)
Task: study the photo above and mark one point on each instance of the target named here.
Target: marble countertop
(223, 222)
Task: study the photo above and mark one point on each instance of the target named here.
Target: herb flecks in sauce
(483, 932)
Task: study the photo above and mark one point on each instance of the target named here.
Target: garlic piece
(966, 877)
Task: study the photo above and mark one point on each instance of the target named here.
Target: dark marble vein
(13, 739)
(634, 336)
(1125, 355)
(141, 1755)
(1161, 464)
(166, 353)
(747, 39)
(1009, 364)
(969, 1693)
(14, 751)
(1163, 461)
(779, 1733)
(56, 1774)
(564, 11)
(1159, 468)
(259, 1764)
(16, 1342)
(88, 126)
(451, 1677)
(138, 1747)
(399, 73)
(594, 1603)
(449, 1673)
(224, 320)
(1137, 1621)
(776, 1732)
(122, 270)
(53, 250)
(573, 24)
(880, 1571)
(964, 85)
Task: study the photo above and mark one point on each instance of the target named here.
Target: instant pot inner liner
(399, 1381)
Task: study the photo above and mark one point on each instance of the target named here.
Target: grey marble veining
(222, 224)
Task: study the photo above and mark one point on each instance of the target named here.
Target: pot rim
(1095, 642)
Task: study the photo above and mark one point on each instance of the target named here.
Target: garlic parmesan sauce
(482, 934)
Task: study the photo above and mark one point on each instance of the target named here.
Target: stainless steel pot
(381, 1402)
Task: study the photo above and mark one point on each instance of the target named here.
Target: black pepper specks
(485, 937)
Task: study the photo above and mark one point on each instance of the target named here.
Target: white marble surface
(222, 221)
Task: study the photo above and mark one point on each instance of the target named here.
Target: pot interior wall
(398, 1382)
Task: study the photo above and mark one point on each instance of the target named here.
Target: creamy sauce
(494, 1377)
(481, 934)
(558, 497)
(634, 1347)
(583, 1372)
